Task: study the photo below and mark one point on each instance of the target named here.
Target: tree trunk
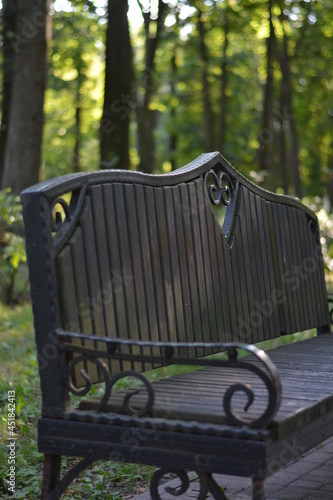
(207, 108)
(23, 149)
(173, 135)
(118, 99)
(283, 156)
(289, 115)
(9, 8)
(77, 136)
(266, 134)
(147, 118)
(224, 84)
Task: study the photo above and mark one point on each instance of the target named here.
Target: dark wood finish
(146, 259)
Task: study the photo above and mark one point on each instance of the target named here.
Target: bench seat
(197, 396)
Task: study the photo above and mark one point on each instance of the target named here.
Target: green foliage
(325, 220)
(12, 250)
(19, 372)
(76, 77)
(75, 82)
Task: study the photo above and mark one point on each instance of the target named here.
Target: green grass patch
(19, 372)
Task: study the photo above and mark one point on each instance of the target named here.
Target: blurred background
(151, 84)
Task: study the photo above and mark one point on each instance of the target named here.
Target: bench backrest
(146, 257)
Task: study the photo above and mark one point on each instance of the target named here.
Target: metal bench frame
(130, 272)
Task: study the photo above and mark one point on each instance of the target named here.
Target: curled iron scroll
(57, 216)
(88, 384)
(207, 485)
(270, 378)
(219, 187)
(314, 230)
(109, 384)
(155, 480)
(126, 403)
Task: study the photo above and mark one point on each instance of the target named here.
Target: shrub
(13, 273)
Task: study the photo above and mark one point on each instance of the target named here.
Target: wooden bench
(130, 272)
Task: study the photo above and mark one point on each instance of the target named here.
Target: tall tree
(23, 148)
(173, 135)
(288, 112)
(146, 117)
(114, 130)
(266, 134)
(282, 148)
(224, 80)
(8, 32)
(208, 114)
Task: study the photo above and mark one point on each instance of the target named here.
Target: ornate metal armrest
(267, 372)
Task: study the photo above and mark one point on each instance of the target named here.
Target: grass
(19, 372)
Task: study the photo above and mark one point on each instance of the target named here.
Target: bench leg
(53, 487)
(51, 474)
(258, 489)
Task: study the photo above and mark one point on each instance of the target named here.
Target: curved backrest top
(196, 168)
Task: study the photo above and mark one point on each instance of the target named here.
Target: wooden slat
(268, 305)
(197, 199)
(252, 264)
(104, 299)
(300, 231)
(163, 279)
(189, 212)
(227, 323)
(210, 268)
(215, 307)
(146, 262)
(241, 280)
(297, 262)
(120, 316)
(71, 317)
(184, 260)
(281, 257)
(135, 281)
(292, 281)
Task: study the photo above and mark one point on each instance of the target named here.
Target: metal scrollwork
(219, 187)
(57, 216)
(270, 380)
(181, 474)
(150, 391)
(315, 231)
(109, 384)
(88, 384)
(207, 485)
(260, 365)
